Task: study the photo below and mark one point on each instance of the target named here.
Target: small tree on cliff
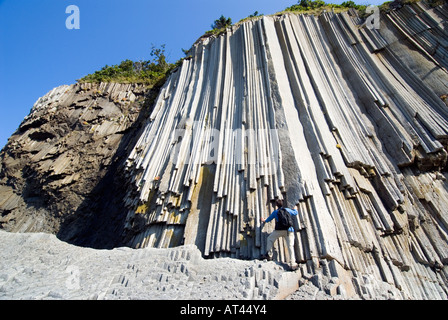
(222, 23)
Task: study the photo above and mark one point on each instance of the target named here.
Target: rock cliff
(347, 123)
(59, 170)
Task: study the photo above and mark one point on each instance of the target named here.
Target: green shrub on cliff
(308, 6)
(149, 72)
(219, 26)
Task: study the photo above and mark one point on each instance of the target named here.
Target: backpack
(284, 220)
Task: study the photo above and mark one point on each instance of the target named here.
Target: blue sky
(38, 52)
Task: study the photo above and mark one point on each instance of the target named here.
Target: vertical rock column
(316, 110)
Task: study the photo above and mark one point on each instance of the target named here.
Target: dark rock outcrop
(60, 171)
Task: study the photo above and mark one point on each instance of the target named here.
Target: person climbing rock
(284, 227)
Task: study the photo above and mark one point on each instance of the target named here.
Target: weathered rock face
(40, 267)
(349, 124)
(58, 171)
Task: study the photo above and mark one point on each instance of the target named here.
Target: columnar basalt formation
(346, 122)
(318, 110)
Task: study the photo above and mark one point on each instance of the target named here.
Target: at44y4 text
(255, 309)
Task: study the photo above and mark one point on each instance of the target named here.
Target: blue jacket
(273, 215)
